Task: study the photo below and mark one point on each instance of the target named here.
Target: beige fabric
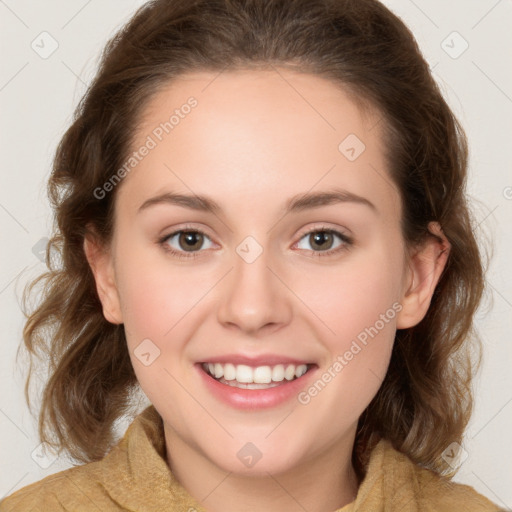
(135, 477)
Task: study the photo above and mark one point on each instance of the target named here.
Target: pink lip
(262, 360)
(253, 399)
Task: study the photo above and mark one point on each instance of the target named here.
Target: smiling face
(297, 259)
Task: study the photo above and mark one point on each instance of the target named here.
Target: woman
(262, 221)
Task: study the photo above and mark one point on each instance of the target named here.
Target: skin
(256, 139)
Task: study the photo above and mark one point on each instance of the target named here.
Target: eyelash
(346, 242)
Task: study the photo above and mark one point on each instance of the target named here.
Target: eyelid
(345, 238)
(323, 226)
(187, 228)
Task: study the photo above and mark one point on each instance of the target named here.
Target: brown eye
(185, 241)
(325, 242)
(190, 240)
(321, 240)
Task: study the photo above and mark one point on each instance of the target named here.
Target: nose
(254, 297)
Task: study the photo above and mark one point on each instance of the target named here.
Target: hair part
(425, 400)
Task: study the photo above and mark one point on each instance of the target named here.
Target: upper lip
(261, 360)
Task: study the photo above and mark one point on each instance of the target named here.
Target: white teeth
(250, 385)
(301, 370)
(262, 375)
(289, 373)
(219, 371)
(229, 371)
(278, 373)
(244, 374)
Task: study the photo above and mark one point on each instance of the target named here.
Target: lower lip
(255, 398)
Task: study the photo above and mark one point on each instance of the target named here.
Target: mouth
(243, 376)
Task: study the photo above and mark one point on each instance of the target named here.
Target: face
(286, 256)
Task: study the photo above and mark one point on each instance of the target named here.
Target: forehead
(256, 134)
(266, 99)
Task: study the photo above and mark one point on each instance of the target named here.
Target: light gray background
(37, 97)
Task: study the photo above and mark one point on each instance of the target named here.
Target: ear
(101, 263)
(426, 264)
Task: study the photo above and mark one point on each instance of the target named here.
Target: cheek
(156, 301)
(160, 302)
(155, 295)
(357, 304)
(359, 342)
(353, 297)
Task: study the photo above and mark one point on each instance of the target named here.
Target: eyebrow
(296, 203)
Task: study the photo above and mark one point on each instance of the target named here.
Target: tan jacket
(135, 477)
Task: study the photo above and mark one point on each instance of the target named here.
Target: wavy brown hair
(425, 400)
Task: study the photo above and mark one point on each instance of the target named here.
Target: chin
(255, 459)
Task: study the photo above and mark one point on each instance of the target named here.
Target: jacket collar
(137, 477)
(135, 472)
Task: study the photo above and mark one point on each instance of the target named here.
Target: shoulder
(75, 489)
(118, 482)
(406, 483)
(436, 493)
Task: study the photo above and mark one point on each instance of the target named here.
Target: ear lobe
(100, 261)
(426, 265)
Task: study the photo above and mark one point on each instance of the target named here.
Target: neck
(323, 483)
